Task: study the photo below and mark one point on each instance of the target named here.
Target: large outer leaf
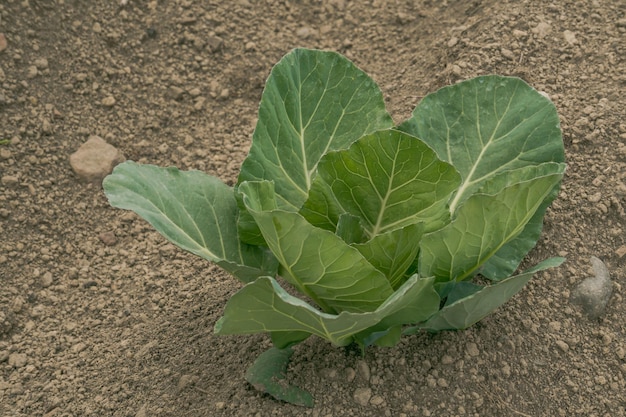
(313, 102)
(470, 310)
(193, 210)
(506, 260)
(484, 223)
(316, 261)
(389, 179)
(485, 126)
(263, 306)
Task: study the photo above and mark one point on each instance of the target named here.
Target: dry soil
(100, 316)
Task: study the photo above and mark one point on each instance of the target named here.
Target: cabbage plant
(348, 227)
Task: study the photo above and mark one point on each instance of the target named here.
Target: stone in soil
(95, 159)
(593, 293)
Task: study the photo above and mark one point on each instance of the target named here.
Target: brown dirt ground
(92, 327)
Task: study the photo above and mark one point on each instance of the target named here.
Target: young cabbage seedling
(383, 227)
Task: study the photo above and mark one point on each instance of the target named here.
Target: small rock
(472, 349)
(96, 28)
(363, 370)
(17, 360)
(507, 53)
(41, 63)
(195, 92)
(108, 101)
(250, 46)
(108, 238)
(46, 127)
(95, 159)
(593, 293)
(562, 345)
(79, 347)
(570, 37)
(142, 412)
(32, 72)
(224, 94)
(9, 180)
(453, 41)
(447, 360)
(377, 400)
(621, 251)
(304, 32)
(47, 279)
(174, 93)
(350, 374)
(362, 396)
(542, 29)
(3, 42)
(215, 43)
(519, 34)
(186, 381)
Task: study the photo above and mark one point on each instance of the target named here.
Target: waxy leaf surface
(470, 310)
(314, 102)
(388, 179)
(485, 126)
(193, 210)
(264, 306)
(317, 262)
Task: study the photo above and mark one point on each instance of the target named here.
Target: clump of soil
(100, 316)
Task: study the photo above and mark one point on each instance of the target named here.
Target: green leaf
(317, 262)
(485, 222)
(268, 374)
(349, 229)
(469, 310)
(388, 179)
(507, 259)
(263, 306)
(392, 253)
(193, 210)
(313, 102)
(485, 126)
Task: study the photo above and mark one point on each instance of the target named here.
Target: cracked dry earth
(100, 316)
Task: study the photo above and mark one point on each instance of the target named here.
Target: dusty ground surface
(100, 316)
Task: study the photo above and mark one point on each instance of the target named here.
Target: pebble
(377, 400)
(47, 279)
(350, 374)
(215, 43)
(9, 180)
(31, 72)
(570, 37)
(108, 101)
(507, 53)
(174, 93)
(542, 29)
(95, 159)
(362, 396)
(363, 370)
(17, 360)
(41, 63)
(593, 293)
(108, 238)
(3, 42)
(562, 345)
(472, 349)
